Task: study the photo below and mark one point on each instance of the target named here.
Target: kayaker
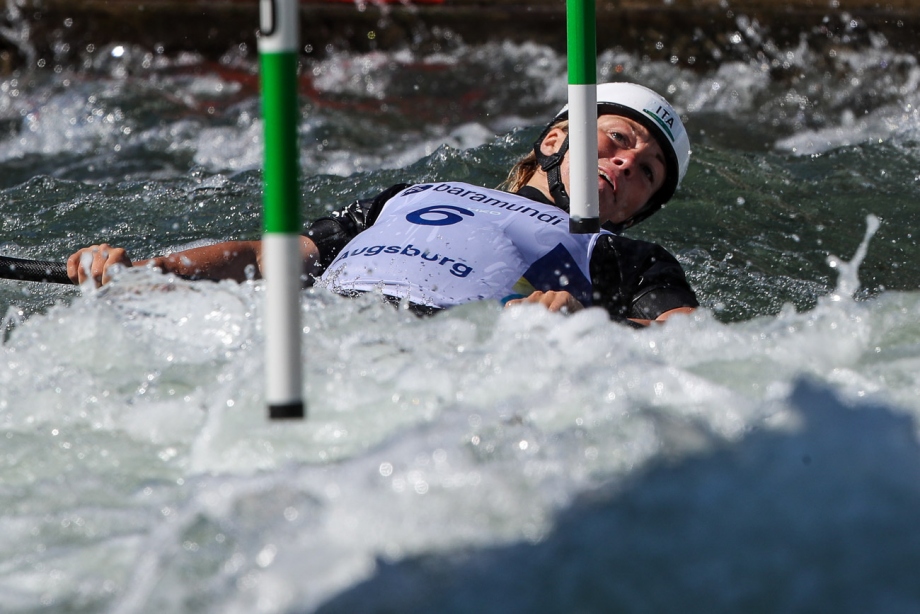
(440, 244)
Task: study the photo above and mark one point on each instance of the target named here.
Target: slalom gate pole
(582, 60)
(281, 261)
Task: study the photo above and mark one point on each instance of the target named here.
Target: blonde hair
(522, 172)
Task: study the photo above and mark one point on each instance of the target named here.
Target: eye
(619, 137)
(649, 173)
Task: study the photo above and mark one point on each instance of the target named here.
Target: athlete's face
(630, 166)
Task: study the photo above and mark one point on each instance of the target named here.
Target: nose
(624, 160)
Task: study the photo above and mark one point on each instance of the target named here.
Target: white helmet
(655, 113)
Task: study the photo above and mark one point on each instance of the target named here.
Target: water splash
(140, 474)
(848, 276)
(18, 32)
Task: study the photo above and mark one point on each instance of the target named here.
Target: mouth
(603, 175)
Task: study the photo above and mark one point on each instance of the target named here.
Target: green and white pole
(582, 56)
(281, 261)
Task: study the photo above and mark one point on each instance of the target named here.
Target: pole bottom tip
(584, 225)
(286, 411)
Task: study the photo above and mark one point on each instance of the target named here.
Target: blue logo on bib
(438, 215)
(416, 189)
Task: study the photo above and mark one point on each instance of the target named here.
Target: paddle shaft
(33, 270)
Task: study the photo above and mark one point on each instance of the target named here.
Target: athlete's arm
(240, 260)
(664, 316)
(566, 303)
(236, 260)
(638, 280)
(552, 300)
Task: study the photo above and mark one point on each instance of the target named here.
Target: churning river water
(760, 455)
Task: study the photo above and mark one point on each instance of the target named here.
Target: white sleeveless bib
(444, 244)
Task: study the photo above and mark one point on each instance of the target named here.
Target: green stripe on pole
(281, 115)
(582, 42)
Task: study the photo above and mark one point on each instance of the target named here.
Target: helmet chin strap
(551, 165)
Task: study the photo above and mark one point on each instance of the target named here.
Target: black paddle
(33, 270)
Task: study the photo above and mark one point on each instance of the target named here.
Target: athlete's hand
(553, 300)
(101, 258)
